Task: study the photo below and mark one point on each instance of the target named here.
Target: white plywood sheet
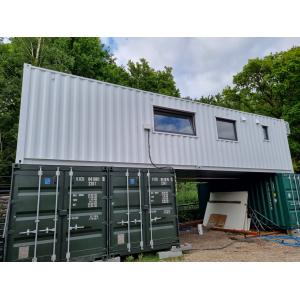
(233, 205)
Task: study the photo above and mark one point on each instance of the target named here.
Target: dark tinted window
(174, 121)
(265, 132)
(226, 129)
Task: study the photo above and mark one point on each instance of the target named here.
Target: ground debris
(222, 246)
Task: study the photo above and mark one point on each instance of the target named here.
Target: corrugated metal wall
(67, 119)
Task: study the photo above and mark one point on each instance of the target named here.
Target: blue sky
(201, 66)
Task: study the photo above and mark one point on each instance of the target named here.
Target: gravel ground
(237, 248)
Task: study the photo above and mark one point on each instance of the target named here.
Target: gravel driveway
(215, 246)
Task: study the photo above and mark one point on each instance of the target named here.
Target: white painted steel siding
(66, 119)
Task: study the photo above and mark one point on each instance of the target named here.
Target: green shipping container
(276, 200)
(142, 211)
(57, 214)
(88, 213)
(273, 199)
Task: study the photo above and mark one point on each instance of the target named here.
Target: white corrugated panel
(67, 119)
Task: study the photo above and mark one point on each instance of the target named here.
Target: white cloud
(201, 66)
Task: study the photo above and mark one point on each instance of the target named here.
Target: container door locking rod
(141, 212)
(53, 257)
(40, 174)
(294, 200)
(150, 210)
(70, 214)
(128, 213)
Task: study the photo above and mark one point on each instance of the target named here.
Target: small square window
(226, 129)
(265, 132)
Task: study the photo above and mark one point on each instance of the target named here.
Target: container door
(84, 211)
(161, 218)
(291, 187)
(126, 234)
(33, 224)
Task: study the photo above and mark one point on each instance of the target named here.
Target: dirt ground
(236, 248)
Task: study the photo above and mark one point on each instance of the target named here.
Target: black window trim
(265, 127)
(174, 112)
(228, 121)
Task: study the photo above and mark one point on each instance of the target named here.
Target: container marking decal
(23, 252)
(94, 218)
(80, 179)
(92, 200)
(47, 180)
(121, 238)
(132, 181)
(164, 197)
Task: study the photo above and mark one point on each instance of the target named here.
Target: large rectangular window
(226, 129)
(174, 121)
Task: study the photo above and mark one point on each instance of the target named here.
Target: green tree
(142, 76)
(86, 57)
(270, 86)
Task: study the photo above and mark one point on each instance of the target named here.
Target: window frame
(234, 126)
(265, 129)
(174, 112)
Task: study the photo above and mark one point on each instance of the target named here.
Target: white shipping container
(70, 120)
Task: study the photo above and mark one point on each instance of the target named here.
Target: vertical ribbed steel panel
(66, 119)
(142, 211)
(41, 208)
(275, 199)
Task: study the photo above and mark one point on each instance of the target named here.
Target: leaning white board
(231, 204)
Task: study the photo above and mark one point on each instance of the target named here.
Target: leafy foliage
(142, 76)
(269, 86)
(86, 57)
(187, 193)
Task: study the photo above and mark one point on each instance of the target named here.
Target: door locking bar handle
(27, 232)
(68, 254)
(128, 212)
(123, 222)
(47, 230)
(136, 221)
(53, 256)
(150, 210)
(126, 222)
(76, 227)
(141, 212)
(156, 219)
(40, 174)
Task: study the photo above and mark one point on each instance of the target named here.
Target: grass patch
(150, 257)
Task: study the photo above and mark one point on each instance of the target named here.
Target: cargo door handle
(135, 221)
(76, 227)
(156, 219)
(27, 232)
(46, 230)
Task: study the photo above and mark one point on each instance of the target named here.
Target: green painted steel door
(274, 201)
(75, 213)
(289, 186)
(43, 201)
(142, 211)
(33, 228)
(127, 215)
(85, 210)
(161, 220)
